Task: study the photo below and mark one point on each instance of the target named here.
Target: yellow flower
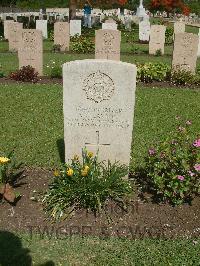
(76, 158)
(70, 172)
(56, 173)
(4, 160)
(84, 172)
(90, 154)
(86, 168)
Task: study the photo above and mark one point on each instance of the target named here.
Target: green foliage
(149, 72)
(25, 73)
(86, 184)
(158, 52)
(182, 77)
(173, 166)
(81, 44)
(51, 35)
(56, 48)
(169, 33)
(56, 71)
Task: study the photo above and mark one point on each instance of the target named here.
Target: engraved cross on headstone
(97, 144)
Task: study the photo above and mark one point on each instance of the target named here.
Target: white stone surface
(109, 26)
(6, 27)
(185, 51)
(144, 30)
(42, 25)
(157, 39)
(75, 27)
(98, 107)
(198, 53)
(179, 27)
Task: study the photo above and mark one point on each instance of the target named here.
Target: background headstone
(99, 108)
(185, 51)
(109, 25)
(179, 27)
(6, 22)
(42, 25)
(107, 44)
(75, 27)
(198, 53)
(14, 33)
(31, 50)
(144, 30)
(157, 39)
(61, 35)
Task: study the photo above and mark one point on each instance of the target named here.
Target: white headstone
(75, 27)
(6, 27)
(42, 25)
(157, 39)
(112, 25)
(144, 30)
(99, 108)
(198, 53)
(185, 51)
(107, 44)
(179, 27)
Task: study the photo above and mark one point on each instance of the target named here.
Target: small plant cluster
(169, 35)
(184, 77)
(26, 74)
(8, 174)
(149, 72)
(55, 69)
(81, 44)
(173, 166)
(87, 184)
(56, 48)
(1, 72)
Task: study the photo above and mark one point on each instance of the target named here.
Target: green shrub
(51, 35)
(182, 77)
(56, 71)
(86, 184)
(149, 72)
(81, 44)
(25, 73)
(169, 35)
(56, 48)
(158, 52)
(173, 166)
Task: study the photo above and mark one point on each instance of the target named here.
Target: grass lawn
(20, 250)
(32, 119)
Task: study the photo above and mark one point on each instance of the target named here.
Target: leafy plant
(158, 52)
(56, 48)
(9, 171)
(56, 71)
(169, 34)
(81, 44)
(25, 73)
(86, 184)
(149, 72)
(182, 77)
(173, 166)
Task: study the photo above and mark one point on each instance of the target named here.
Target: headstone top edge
(78, 62)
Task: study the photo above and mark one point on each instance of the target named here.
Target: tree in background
(169, 6)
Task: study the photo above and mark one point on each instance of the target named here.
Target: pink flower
(188, 123)
(197, 167)
(191, 173)
(196, 143)
(152, 151)
(180, 177)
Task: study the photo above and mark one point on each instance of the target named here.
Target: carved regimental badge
(98, 87)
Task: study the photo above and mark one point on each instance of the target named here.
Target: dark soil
(49, 80)
(143, 218)
(42, 80)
